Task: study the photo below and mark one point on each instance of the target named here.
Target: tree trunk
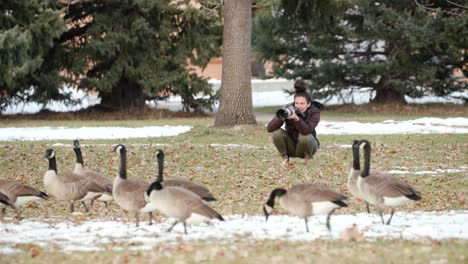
(383, 96)
(235, 106)
(126, 94)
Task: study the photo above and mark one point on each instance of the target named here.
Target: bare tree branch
(432, 10)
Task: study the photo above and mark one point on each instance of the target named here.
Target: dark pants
(306, 144)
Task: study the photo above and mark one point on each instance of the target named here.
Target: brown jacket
(304, 126)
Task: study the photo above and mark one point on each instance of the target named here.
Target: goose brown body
(305, 200)
(99, 178)
(19, 194)
(198, 189)
(68, 186)
(176, 202)
(180, 204)
(129, 194)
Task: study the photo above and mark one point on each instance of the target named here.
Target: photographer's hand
(294, 117)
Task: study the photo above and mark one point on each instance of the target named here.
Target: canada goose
(382, 189)
(305, 200)
(178, 203)
(92, 175)
(199, 190)
(67, 186)
(129, 194)
(19, 194)
(354, 174)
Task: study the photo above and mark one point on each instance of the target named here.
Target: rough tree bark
(235, 106)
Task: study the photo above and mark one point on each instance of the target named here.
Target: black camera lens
(283, 113)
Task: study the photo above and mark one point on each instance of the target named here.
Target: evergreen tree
(28, 31)
(129, 51)
(392, 47)
(135, 50)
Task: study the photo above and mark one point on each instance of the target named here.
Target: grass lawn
(241, 172)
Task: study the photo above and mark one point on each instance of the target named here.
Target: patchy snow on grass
(49, 133)
(417, 126)
(95, 235)
(437, 171)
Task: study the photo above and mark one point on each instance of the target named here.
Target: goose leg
(150, 216)
(85, 207)
(91, 203)
(137, 219)
(172, 226)
(328, 220)
(391, 215)
(367, 207)
(185, 228)
(71, 207)
(381, 216)
(3, 212)
(306, 224)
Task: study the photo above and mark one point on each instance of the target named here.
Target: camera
(287, 111)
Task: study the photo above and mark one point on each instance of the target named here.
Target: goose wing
(311, 192)
(388, 185)
(15, 189)
(199, 190)
(193, 203)
(99, 178)
(134, 190)
(5, 200)
(83, 182)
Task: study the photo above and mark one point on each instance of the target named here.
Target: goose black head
(159, 154)
(76, 144)
(270, 204)
(120, 149)
(49, 154)
(356, 143)
(154, 186)
(367, 145)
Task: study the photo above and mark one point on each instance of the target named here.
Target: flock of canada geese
(188, 203)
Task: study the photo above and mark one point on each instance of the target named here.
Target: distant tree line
(129, 51)
(136, 50)
(396, 48)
